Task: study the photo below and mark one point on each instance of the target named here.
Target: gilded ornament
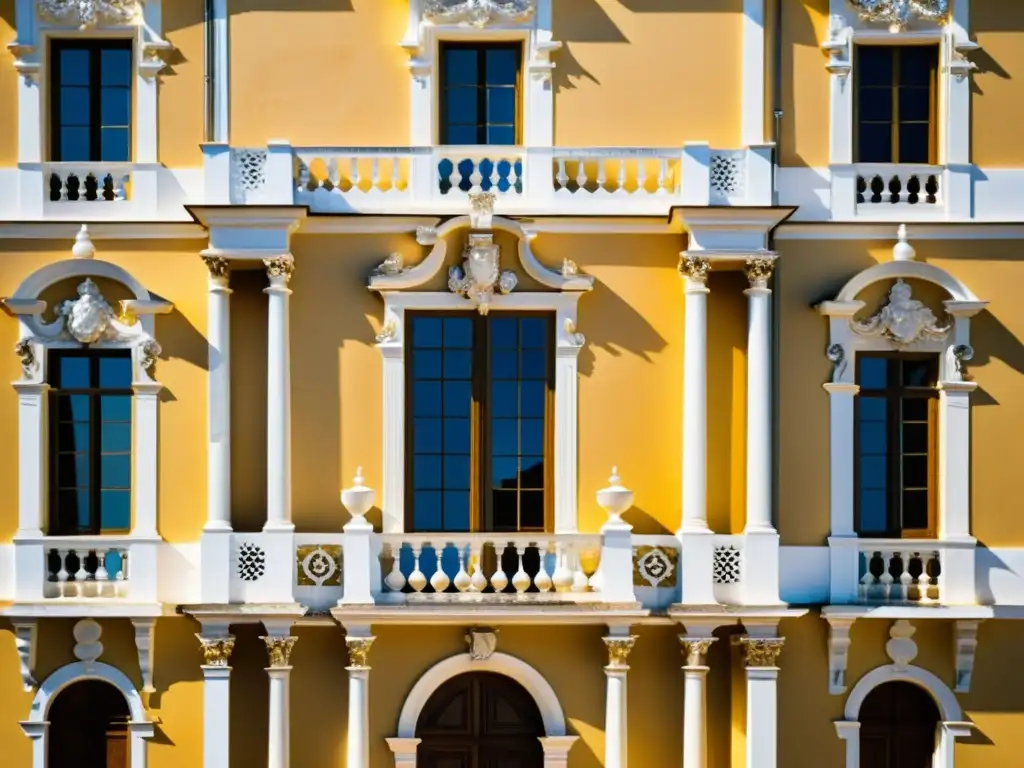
(88, 13)
(279, 650)
(759, 271)
(695, 268)
(837, 356)
(23, 349)
(217, 650)
(903, 320)
(89, 318)
(217, 265)
(481, 209)
(653, 567)
(569, 268)
(280, 267)
(359, 650)
(899, 13)
(618, 651)
(478, 13)
(318, 565)
(695, 649)
(480, 273)
(762, 651)
(388, 332)
(148, 354)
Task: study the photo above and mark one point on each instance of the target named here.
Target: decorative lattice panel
(252, 562)
(727, 566)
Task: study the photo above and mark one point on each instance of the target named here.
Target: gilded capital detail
(695, 649)
(217, 265)
(217, 650)
(618, 651)
(762, 651)
(280, 267)
(759, 271)
(279, 650)
(359, 651)
(696, 268)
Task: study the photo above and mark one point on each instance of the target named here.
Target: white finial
(615, 499)
(357, 500)
(83, 247)
(903, 251)
(358, 479)
(615, 480)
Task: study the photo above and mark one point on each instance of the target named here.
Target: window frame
(482, 46)
(480, 506)
(59, 525)
(95, 46)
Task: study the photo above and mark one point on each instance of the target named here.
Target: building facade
(664, 355)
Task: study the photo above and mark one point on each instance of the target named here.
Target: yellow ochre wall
(998, 87)
(169, 270)
(8, 88)
(805, 84)
(813, 271)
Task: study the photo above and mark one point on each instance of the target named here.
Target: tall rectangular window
(90, 100)
(896, 103)
(480, 93)
(480, 395)
(90, 441)
(896, 439)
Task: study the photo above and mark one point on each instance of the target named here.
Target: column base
(761, 567)
(278, 527)
(218, 526)
(696, 567)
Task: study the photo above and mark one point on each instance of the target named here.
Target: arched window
(480, 720)
(898, 722)
(89, 727)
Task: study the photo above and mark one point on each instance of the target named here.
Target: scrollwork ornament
(837, 356)
(478, 13)
(696, 268)
(23, 349)
(898, 14)
(695, 649)
(217, 650)
(88, 13)
(762, 651)
(394, 264)
(960, 355)
(149, 352)
(280, 268)
(359, 651)
(904, 320)
(279, 650)
(569, 268)
(576, 338)
(217, 265)
(618, 651)
(388, 332)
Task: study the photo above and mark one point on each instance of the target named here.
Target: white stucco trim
(36, 727)
(500, 663)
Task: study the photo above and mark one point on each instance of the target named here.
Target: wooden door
(898, 726)
(89, 727)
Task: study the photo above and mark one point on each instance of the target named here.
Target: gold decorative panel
(654, 567)
(318, 565)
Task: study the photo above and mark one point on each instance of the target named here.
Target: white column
(221, 83)
(695, 726)
(696, 541)
(615, 722)
(279, 394)
(216, 700)
(357, 751)
(218, 334)
(849, 732)
(761, 656)
(279, 650)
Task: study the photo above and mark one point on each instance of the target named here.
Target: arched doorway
(480, 720)
(898, 722)
(89, 727)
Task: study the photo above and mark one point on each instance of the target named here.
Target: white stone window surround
(36, 338)
(556, 743)
(399, 295)
(954, 423)
(846, 31)
(422, 42)
(36, 727)
(951, 727)
(31, 52)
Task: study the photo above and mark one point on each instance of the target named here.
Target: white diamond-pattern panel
(727, 565)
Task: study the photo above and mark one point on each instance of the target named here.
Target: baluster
(662, 176)
(333, 174)
(121, 187)
(513, 177)
(906, 580)
(924, 580)
(62, 572)
(122, 559)
(395, 580)
(353, 174)
(303, 176)
(581, 174)
(867, 581)
(81, 575)
(542, 581)
(561, 177)
(495, 177)
(580, 582)
(374, 173)
(562, 578)
(641, 175)
(476, 178)
(65, 186)
(602, 173)
(886, 579)
(396, 174)
(462, 581)
(101, 566)
(439, 579)
(499, 579)
(456, 176)
(478, 581)
(417, 580)
(621, 186)
(521, 580)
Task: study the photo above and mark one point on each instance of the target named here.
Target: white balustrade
(617, 172)
(86, 567)
(87, 182)
(491, 169)
(898, 185)
(899, 571)
(527, 565)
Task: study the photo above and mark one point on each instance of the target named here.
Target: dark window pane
(462, 106)
(116, 471)
(74, 67)
(914, 147)
(504, 505)
(915, 471)
(531, 472)
(917, 64)
(73, 408)
(915, 409)
(915, 438)
(872, 408)
(426, 331)
(456, 511)
(427, 510)
(116, 67)
(531, 510)
(533, 398)
(458, 364)
(116, 438)
(458, 332)
(74, 146)
(874, 65)
(504, 472)
(426, 472)
(873, 472)
(873, 372)
(115, 106)
(74, 506)
(915, 104)
(505, 398)
(115, 145)
(535, 363)
(873, 514)
(504, 333)
(874, 143)
(426, 365)
(456, 472)
(426, 398)
(115, 372)
(456, 435)
(535, 333)
(915, 510)
(461, 66)
(74, 106)
(874, 105)
(458, 398)
(116, 407)
(73, 470)
(504, 437)
(504, 365)
(501, 105)
(873, 437)
(462, 134)
(426, 435)
(74, 373)
(532, 433)
(502, 66)
(115, 510)
(74, 436)
(917, 373)
(501, 135)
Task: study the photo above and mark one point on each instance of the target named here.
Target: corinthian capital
(762, 651)
(279, 650)
(217, 650)
(695, 649)
(359, 651)
(696, 268)
(280, 268)
(759, 271)
(618, 651)
(217, 265)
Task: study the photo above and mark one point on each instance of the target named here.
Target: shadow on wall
(616, 327)
(181, 15)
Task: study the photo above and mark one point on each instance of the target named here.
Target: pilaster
(615, 719)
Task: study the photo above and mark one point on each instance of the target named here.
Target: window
(480, 396)
(895, 108)
(90, 441)
(91, 101)
(896, 435)
(480, 93)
